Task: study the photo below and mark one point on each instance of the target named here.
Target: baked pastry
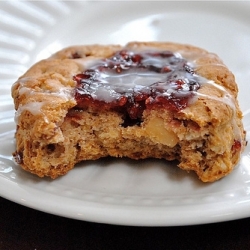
(142, 100)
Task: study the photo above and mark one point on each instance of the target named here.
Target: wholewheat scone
(142, 100)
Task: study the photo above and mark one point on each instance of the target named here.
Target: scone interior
(143, 100)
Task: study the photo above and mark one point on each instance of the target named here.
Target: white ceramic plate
(118, 191)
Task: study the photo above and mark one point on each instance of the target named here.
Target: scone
(143, 100)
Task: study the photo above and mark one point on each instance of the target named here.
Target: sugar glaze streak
(131, 82)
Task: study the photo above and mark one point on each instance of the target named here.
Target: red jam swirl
(130, 82)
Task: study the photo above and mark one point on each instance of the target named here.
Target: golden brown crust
(52, 137)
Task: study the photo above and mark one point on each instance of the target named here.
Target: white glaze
(108, 86)
(25, 88)
(35, 108)
(56, 89)
(111, 86)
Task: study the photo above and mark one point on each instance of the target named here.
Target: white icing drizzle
(108, 85)
(226, 97)
(35, 108)
(65, 93)
(229, 100)
(61, 91)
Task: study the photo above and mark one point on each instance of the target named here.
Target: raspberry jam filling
(130, 82)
